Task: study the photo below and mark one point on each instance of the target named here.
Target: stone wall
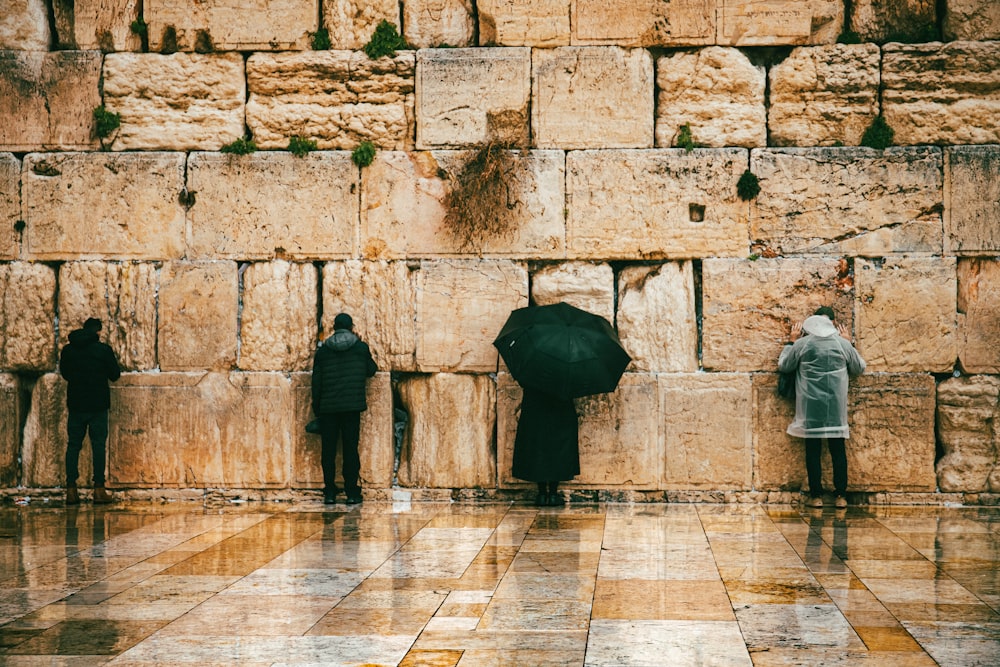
(627, 127)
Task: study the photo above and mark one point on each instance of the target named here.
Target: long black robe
(546, 447)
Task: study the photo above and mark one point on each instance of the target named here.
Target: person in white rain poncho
(822, 359)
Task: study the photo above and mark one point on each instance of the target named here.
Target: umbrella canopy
(562, 350)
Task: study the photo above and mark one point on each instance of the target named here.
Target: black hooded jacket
(341, 366)
(87, 365)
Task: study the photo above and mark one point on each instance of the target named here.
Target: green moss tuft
(385, 41)
(748, 186)
(364, 154)
(242, 146)
(300, 146)
(878, 135)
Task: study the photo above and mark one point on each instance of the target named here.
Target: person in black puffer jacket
(341, 368)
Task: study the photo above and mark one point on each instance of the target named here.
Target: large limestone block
(666, 203)
(779, 460)
(27, 316)
(70, 215)
(123, 296)
(184, 430)
(707, 425)
(979, 315)
(749, 307)
(403, 210)
(273, 204)
(942, 93)
(461, 307)
(97, 24)
(897, 21)
(249, 25)
(470, 97)
(351, 23)
(824, 95)
(278, 317)
(448, 441)
(25, 25)
(436, 23)
(10, 205)
(577, 94)
(657, 321)
(587, 286)
(975, 20)
(47, 100)
(182, 101)
(43, 454)
(336, 98)
(715, 91)
(646, 23)
(10, 429)
(199, 310)
(848, 201)
(778, 22)
(972, 200)
(541, 23)
(968, 427)
(906, 318)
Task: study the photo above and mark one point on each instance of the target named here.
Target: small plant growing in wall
(364, 154)
(242, 146)
(878, 135)
(685, 139)
(106, 125)
(385, 41)
(300, 146)
(320, 40)
(748, 186)
(141, 30)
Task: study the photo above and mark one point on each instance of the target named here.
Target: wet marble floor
(498, 584)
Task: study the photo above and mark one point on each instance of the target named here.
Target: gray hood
(819, 326)
(341, 340)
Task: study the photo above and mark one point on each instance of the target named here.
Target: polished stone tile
(797, 590)
(86, 637)
(663, 599)
(795, 625)
(244, 615)
(614, 643)
(537, 615)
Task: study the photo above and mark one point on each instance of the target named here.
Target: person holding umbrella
(546, 447)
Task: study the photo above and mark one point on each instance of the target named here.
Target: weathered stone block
(10, 429)
(968, 427)
(69, 214)
(25, 26)
(97, 24)
(847, 201)
(779, 460)
(10, 205)
(351, 23)
(199, 305)
(123, 297)
(656, 317)
(577, 95)
(250, 25)
(43, 454)
(905, 314)
(899, 21)
(270, 204)
(278, 318)
(449, 440)
(336, 98)
(47, 100)
(183, 101)
(824, 95)
(403, 206)
(435, 23)
(776, 22)
(979, 315)
(461, 307)
(706, 421)
(717, 92)
(972, 200)
(942, 93)
(976, 20)
(542, 23)
(587, 286)
(644, 22)
(470, 97)
(27, 316)
(749, 307)
(655, 204)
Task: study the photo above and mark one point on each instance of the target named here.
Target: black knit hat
(92, 324)
(343, 321)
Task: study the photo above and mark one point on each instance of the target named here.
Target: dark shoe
(72, 496)
(555, 500)
(101, 496)
(354, 498)
(329, 498)
(542, 500)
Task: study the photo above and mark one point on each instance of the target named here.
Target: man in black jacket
(341, 368)
(87, 365)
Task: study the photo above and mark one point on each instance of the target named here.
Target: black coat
(87, 365)
(546, 447)
(341, 367)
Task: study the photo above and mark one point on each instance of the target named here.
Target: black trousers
(77, 426)
(814, 467)
(346, 427)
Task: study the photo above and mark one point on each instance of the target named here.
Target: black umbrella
(562, 350)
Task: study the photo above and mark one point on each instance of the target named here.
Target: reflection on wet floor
(498, 584)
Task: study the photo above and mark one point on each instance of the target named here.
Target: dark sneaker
(353, 498)
(329, 498)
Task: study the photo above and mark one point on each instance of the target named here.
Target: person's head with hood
(90, 332)
(343, 335)
(821, 323)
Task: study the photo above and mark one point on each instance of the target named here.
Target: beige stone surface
(656, 317)
(643, 23)
(27, 316)
(971, 200)
(97, 24)
(905, 314)
(249, 25)
(25, 26)
(278, 316)
(655, 204)
(351, 23)
(717, 92)
(448, 442)
(123, 296)
(470, 97)
(47, 100)
(541, 23)
(848, 201)
(749, 307)
(588, 286)
(461, 307)
(10, 205)
(968, 412)
(43, 451)
(898, 21)
(273, 204)
(971, 20)
(70, 215)
(403, 211)
(779, 460)
(336, 98)
(942, 93)
(435, 23)
(230, 430)
(979, 315)
(824, 95)
(198, 306)
(577, 95)
(183, 101)
(779, 22)
(10, 434)
(706, 421)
